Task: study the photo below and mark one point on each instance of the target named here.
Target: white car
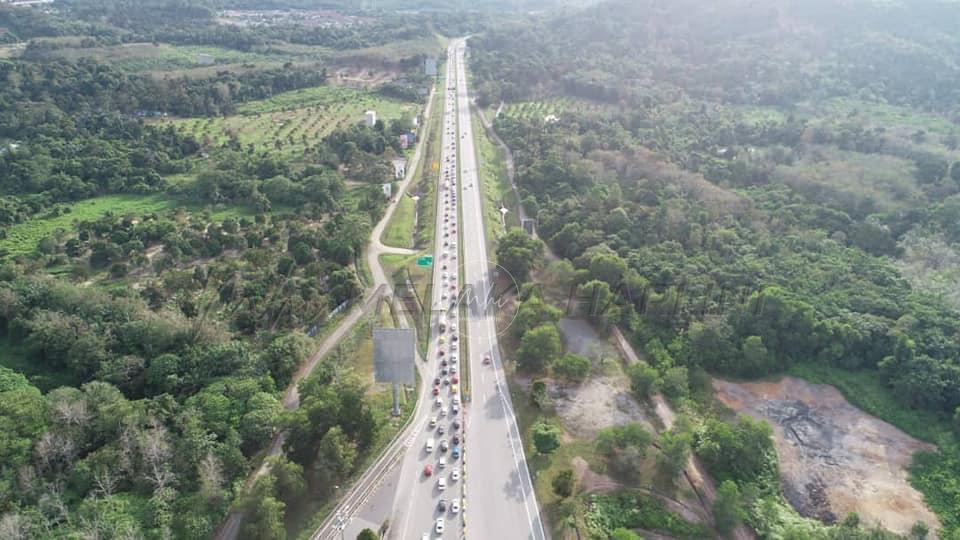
(442, 484)
(453, 370)
(439, 403)
(439, 526)
(455, 474)
(455, 507)
(433, 421)
(456, 400)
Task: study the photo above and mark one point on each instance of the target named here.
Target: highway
(498, 501)
(417, 500)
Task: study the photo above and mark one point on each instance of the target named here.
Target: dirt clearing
(602, 400)
(834, 458)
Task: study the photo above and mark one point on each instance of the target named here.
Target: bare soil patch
(598, 403)
(834, 458)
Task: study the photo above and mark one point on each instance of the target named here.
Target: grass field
(496, 186)
(399, 233)
(163, 56)
(22, 238)
(294, 119)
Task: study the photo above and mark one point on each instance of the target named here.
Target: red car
(455, 379)
(428, 470)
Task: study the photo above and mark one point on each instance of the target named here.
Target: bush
(563, 483)
(644, 380)
(572, 366)
(546, 437)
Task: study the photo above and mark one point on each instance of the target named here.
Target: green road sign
(426, 260)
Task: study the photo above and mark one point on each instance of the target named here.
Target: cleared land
(834, 458)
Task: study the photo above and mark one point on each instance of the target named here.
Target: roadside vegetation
(174, 241)
(735, 230)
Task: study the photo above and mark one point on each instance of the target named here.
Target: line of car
(447, 422)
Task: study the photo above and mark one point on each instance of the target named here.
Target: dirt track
(834, 458)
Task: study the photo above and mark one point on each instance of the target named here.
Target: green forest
(748, 190)
(162, 278)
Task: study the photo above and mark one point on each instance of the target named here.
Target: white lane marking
(484, 321)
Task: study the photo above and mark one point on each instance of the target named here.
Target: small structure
(387, 189)
(407, 140)
(370, 118)
(205, 59)
(527, 225)
(399, 168)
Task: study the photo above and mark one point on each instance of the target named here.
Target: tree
(533, 312)
(625, 447)
(264, 512)
(675, 450)
(742, 452)
(756, 358)
(572, 366)
(624, 534)
(539, 347)
(727, 508)
(919, 531)
(644, 380)
(675, 382)
(518, 253)
(336, 454)
(284, 354)
(546, 437)
(563, 483)
(367, 534)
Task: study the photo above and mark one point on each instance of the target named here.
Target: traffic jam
(444, 447)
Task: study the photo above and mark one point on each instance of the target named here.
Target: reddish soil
(834, 458)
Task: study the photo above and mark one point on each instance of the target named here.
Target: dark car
(442, 505)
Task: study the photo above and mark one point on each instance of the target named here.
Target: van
(443, 462)
(430, 445)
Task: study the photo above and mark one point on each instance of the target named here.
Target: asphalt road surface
(417, 501)
(500, 500)
(494, 488)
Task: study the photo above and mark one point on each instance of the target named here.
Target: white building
(370, 118)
